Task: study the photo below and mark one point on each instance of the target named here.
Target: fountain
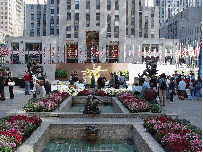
(91, 132)
(91, 106)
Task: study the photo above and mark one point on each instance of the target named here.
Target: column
(136, 18)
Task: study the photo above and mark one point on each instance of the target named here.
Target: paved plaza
(186, 109)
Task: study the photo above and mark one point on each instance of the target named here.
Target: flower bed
(133, 104)
(172, 135)
(46, 104)
(14, 130)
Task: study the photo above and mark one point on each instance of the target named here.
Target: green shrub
(154, 108)
(126, 74)
(61, 73)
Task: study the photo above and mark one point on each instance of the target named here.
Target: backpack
(163, 85)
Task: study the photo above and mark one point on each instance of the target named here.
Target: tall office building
(105, 30)
(169, 8)
(11, 18)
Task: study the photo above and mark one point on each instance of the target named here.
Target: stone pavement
(186, 109)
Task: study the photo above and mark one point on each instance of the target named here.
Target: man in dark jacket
(47, 86)
(116, 80)
(2, 81)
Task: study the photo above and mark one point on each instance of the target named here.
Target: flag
(160, 53)
(28, 51)
(102, 53)
(113, 53)
(155, 53)
(53, 52)
(17, 52)
(166, 54)
(107, 53)
(23, 52)
(118, 52)
(58, 52)
(92, 51)
(39, 51)
(80, 52)
(139, 54)
(33, 50)
(97, 53)
(44, 52)
(76, 52)
(69, 52)
(145, 55)
(86, 53)
(149, 52)
(171, 52)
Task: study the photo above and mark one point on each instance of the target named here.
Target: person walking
(192, 90)
(181, 88)
(31, 79)
(167, 89)
(162, 89)
(92, 81)
(47, 86)
(198, 86)
(171, 89)
(2, 82)
(27, 84)
(10, 79)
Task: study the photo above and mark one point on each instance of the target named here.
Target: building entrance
(92, 46)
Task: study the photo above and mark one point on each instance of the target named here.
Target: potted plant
(61, 74)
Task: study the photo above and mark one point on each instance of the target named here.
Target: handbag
(11, 83)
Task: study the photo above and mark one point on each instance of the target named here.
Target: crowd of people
(166, 86)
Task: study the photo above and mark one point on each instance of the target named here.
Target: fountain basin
(68, 131)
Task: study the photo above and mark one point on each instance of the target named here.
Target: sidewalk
(186, 109)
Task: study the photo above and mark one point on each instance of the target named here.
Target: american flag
(23, 52)
(80, 52)
(166, 54)
(33, 50)
(44, 52)
(58, 52)
(97, 53)
(149, 52)
(76, 52)
(145, 54)
(92, 51)
(53, 53)
(86, 53)
(171, 52)
(102, 53)
(107, 53)
(160, 53)
(113, 53)
(28, 51)
(155, 53)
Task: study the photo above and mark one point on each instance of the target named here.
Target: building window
(58, 1)
(116, 5)
(32, 25)
(57, 31)
(116, 17)
(52, 31)
(68, 4)
(31, 33)
(68, 28)
(68, 16)
(68, 36)
(76, 4)
(87, 20)
(145, 35)
(88, 4)
(97, 19)
(116, 32)
(52, 1)
(97, 4)
(152, 35)
(57, 10)
(52, 20)
(108, 4)
(32, 6)
(52, 11)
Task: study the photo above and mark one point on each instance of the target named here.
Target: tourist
(31, 79)
(145, 85)
(71, 77)
(27, 84)
(171, 89)
(75, 77)
(187, 80)
(101, 81)
(4, 73)
(2, 82)
(80, 85)
(40, 90)
(112, 81)
(198, 86)
(116, 80)
(181, 89)
(47, 86)
(162, 89)
(147, 78)
(72, 85)
(192, 90)
(122, 78)
(10, 75)
(11, 88)
(137, 89)
(121, 85)
(151, 94)
(92, 81)
(88, 81)
(167, 89)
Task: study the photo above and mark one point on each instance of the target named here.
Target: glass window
(116, 5)
(152, 35)
(68, 16)
(68, 28)
(57, 31)
(58, 1)
(76, 4)
(52, 1)
(52, 31)
(97, 16)
(97, 4)
(116, 17)
(52, 11)
(88, 4)
(32, 6)
(68, 36)
(108, 4)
